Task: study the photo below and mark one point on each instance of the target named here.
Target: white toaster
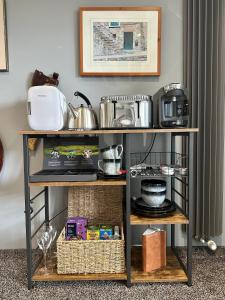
(47, 108)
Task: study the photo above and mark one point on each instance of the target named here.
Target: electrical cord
(150, 148)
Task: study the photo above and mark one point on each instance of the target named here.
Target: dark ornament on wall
(39, 78)
(1, 155)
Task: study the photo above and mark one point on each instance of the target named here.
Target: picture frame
(120, 41)
(4, 67)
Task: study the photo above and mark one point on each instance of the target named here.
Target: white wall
(43, 34)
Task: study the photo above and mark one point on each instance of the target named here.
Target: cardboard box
(153, 250)
(106, 232)
(76, 227)
(93, 233)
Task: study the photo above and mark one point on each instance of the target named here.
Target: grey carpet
(208, 283)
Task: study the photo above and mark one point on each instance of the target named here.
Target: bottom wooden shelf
(173, 272)
(54, 276)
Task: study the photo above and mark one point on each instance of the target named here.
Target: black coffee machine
(173, 107)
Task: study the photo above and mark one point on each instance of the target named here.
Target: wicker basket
(100, 205)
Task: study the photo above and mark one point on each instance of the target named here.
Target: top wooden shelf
(106, 131)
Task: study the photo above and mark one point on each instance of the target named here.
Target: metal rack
(154, 160)
(149, 164)
(182, 216)
(159, 158)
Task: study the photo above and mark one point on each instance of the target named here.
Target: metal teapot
(82, 117)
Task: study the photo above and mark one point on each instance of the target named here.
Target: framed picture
(3, 38)
(120, 41)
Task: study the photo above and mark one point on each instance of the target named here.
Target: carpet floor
(208, 283)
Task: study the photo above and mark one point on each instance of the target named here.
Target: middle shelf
(99, 182)
(176, 218)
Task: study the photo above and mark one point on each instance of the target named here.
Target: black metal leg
(172, 236)
(27, 209)
(46, 206)
(190, 209)
(128, 209)
(189, 254)
(172, 189)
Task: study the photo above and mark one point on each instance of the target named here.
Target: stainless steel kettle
(82, 117)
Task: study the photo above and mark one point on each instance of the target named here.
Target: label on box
(93, 233)
(78, 225)
(106, 232)
(71, 153)
(70, 230)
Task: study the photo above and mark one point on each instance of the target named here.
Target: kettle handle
(83, 97)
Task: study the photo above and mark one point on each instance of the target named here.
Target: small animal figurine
(39, 78)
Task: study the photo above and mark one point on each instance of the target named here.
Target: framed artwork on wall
(3, 38)
(120, 41)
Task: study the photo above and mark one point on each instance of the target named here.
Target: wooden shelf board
(54, 276)
(101, 182)
(173, 272)
(176, 218)
(102, 131)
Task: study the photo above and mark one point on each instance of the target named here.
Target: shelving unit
(175, 271)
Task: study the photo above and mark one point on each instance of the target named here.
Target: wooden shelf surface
(173, 272)
(104, 131)
(54, 276)
(101, 182)
(176, 218)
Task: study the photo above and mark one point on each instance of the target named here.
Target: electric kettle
(82, 117)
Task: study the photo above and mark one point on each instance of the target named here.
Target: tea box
(93, 233)
(76, 227)
(106, 232)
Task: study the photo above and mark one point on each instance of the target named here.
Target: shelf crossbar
(177, 178)
(174, 249)
(178, 193)
(36, 231)
(36, 196)
(59, 213)
(40, 209)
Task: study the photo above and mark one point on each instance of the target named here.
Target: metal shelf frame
(29, 213)
(186, 195)
(187, 199)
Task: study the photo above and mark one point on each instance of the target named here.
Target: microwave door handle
(138, 109)
(114, 109)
